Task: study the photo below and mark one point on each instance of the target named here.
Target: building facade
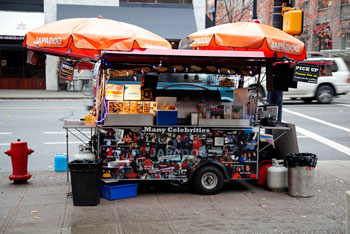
(16, 18)
(327, 27)
(171, 19)
(326, 23)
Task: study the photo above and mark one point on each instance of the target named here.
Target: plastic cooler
(60, 162)
(118, 191)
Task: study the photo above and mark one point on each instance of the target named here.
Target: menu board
(132, 92)
(114, 92)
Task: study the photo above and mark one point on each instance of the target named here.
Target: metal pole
(276, 97)
(214, 13)
(67, 154)
(255, 14)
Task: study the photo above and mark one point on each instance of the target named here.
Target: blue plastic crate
(166, 117)
(60, 162)
(119, 191)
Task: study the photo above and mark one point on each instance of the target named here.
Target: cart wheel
(208, 180)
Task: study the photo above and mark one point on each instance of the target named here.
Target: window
(346, 41)
(160, 1)
(334, 67)
(324, 4)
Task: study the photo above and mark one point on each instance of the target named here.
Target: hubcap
(209, 180)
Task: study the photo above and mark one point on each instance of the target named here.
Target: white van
(326, 88)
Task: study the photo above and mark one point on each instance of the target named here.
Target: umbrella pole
(257, 98)
(99, 95)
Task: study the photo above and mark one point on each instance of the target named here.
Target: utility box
(293, 22)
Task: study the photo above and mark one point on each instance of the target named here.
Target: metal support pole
(276, 97)
(67, 154)
(347, 218)
(214, 13)
(255, 14)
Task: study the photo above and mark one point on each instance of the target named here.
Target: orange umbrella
(248, 36)
(88, 36)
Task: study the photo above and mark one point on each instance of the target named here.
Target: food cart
(164, 115)
(178, 115)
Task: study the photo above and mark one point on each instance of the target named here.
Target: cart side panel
(174, 153)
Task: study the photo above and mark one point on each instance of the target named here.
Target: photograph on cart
(174, 152)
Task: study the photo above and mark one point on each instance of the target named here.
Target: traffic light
(292, 21)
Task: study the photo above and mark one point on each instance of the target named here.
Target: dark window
(160, 1)
(13, 64)
(334, 67)
(22, 5)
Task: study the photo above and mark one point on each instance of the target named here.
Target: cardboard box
(118, 191)
(224, 122)
(129, 120)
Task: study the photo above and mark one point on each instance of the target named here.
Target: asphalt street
(321, 129)
(40, 123)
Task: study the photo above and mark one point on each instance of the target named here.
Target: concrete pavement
(40, 94)
(42, 206)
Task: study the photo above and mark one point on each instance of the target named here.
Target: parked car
(327, 87)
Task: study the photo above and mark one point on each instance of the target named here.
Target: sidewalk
(40, 94)
(42, 206)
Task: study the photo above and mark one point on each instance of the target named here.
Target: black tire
(324, 94)
(307, 100)
(208, 180)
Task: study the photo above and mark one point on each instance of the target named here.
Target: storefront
(15, 72)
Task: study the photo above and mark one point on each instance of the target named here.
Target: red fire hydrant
(19, 156)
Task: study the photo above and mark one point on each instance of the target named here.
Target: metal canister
(277, 176)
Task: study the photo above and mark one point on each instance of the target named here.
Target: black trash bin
(85, 177)
(301, 173)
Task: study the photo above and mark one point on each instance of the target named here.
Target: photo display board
(173, 152)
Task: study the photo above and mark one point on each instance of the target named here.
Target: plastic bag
(301, 159)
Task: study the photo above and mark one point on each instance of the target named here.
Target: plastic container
(263, 167)
(118, 191)
(166, 117)
(301, 173)
(85, 177)
(60, 162)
